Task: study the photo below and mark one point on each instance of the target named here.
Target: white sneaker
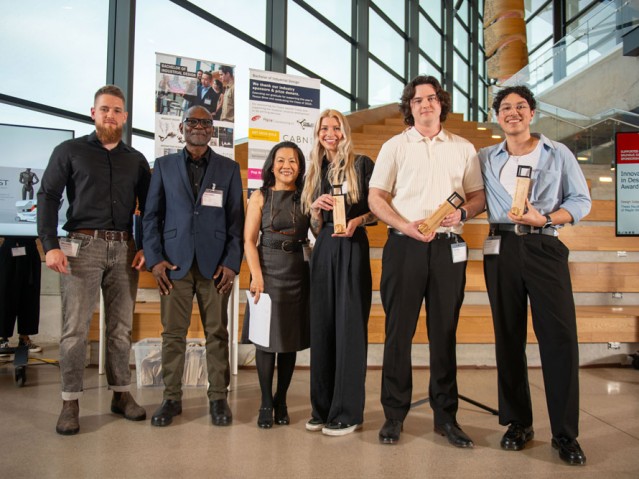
(314, 425)
(4, 344)
(339, 429)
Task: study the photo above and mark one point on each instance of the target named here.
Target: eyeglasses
(509, 108)
(193, 122)
(430, 99)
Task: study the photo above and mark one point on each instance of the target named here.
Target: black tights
(265, 363)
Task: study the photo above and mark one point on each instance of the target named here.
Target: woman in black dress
(341, 278)
(278, 269)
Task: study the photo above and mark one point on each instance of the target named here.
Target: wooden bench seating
(595, 324)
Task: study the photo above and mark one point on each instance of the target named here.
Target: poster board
(24, 155)
(627, 184)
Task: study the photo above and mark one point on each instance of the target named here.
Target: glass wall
(54, 54)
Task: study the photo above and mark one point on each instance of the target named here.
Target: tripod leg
(494, 412)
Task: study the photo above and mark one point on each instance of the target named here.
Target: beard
(108, 135)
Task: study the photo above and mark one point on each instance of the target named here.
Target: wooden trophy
(453, 202)
(522, 185)
(339, 210)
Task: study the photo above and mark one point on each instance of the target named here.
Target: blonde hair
(341, 169)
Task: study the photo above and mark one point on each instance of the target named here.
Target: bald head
(197, 127)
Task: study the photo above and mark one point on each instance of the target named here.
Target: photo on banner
(281, 108)
(183, 82)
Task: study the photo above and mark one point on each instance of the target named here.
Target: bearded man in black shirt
(104, 179)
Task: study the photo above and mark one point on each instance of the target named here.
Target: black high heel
(281, 415)
(265, 418)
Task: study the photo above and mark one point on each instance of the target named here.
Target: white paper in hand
(260, 323)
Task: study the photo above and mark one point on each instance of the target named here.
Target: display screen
(24, 155)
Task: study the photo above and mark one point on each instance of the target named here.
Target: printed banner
(627, 169)
(183, 82)
(281, 108)
(24, 155)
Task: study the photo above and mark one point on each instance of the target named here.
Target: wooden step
(586, 277)
(581, 237)
(595, 324)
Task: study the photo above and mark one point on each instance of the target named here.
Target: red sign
(627, 148)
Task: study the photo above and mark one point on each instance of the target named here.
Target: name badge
(212, 197)
(459, 251)
(70, 247)
(19, 251)
(491, 245)
(207, 101)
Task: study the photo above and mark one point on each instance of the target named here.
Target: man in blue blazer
(193, 226)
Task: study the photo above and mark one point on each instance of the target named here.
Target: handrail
(592, 125)
(621, 15)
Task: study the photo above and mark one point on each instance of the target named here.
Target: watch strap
(548, 221)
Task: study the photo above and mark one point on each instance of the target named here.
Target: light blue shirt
(557, 182)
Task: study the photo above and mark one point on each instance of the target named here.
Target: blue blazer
(179, 229)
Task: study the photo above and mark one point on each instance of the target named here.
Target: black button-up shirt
(102, 186)
(196, 170)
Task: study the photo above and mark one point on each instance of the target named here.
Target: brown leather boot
(69, 420)
(124, 404)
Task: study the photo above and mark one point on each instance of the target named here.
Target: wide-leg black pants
(19, 287)
(411, 273)
(341, 290)
(534, 267)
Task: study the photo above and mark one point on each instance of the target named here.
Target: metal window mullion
(361, 34)
(120, 49)
(276, 35)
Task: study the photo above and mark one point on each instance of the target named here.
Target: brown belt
(106, 234)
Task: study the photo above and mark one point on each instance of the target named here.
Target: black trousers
(19, 287)
(411, 273)
(534, 267)
(340, 305)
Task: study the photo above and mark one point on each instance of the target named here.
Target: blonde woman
(340, 278)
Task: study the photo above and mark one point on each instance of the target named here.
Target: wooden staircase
(596, 324)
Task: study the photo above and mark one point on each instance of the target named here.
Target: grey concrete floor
(108, 446)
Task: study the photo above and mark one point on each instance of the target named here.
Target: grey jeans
(107, 265)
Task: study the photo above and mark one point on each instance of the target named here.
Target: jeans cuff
(71, 396)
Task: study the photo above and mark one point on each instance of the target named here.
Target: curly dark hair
(409, 93)
(268, 178)
(521, 90)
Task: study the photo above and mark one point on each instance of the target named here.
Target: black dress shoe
(455, 435)
(164, 415)
(390, 431)
(281, 414)
(516, 437)
(265, 418)
(569, 451)
(221, 412)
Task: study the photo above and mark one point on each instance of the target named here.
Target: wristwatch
(463, 214)
(548, 221)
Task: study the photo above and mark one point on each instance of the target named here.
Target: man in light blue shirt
(524, 259)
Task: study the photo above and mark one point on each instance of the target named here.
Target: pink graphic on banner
(254, 174)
